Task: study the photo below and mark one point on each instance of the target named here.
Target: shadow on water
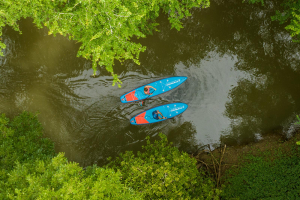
(243, 82)
(268, 101)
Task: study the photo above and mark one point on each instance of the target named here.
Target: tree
(105, 29)
(30, 169)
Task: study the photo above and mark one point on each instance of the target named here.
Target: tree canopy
(163, 172)
(104, 28)
(31, 170)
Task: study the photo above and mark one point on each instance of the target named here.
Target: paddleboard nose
(184, 78)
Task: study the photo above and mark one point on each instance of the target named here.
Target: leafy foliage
(291, 14)
(103, 27)
(256, 1)
(21, 141)
(61, 179)
(29, 169)
(162, 172)
(263, 178)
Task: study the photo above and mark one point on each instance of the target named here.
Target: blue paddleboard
(150, 116)
(161, 86)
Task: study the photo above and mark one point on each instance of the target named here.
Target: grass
(270, 174)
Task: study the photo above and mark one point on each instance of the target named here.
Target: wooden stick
(213, 161)
(219, 174)
(204, 164)
(213, 156)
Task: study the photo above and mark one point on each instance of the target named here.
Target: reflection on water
(243, 82)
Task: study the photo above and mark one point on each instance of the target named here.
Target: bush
(60, 179)
(29, 169)
(162, 172)
(21, 141)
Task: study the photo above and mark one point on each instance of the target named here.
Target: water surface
(243, 83)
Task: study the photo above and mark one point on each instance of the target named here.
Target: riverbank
(268, 169)
(220, 160)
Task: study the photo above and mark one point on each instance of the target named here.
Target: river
(243, 83)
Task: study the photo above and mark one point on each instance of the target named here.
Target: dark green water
(243, 83)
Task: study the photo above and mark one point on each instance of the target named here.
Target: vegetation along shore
(30, 169)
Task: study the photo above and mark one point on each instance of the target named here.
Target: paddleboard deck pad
(150, 116)
(161, 86)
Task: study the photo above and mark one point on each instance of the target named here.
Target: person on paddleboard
(147, 90)
(157, 115)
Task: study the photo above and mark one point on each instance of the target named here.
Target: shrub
(29, 169)
(60, 179)
(162, 172)
(21, 141)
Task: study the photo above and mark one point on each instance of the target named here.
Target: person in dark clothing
(157, 115)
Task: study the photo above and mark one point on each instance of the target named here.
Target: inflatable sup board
(161, 86)
(151, 116)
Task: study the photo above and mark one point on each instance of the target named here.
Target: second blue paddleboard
(167, 111)
(161, 86)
